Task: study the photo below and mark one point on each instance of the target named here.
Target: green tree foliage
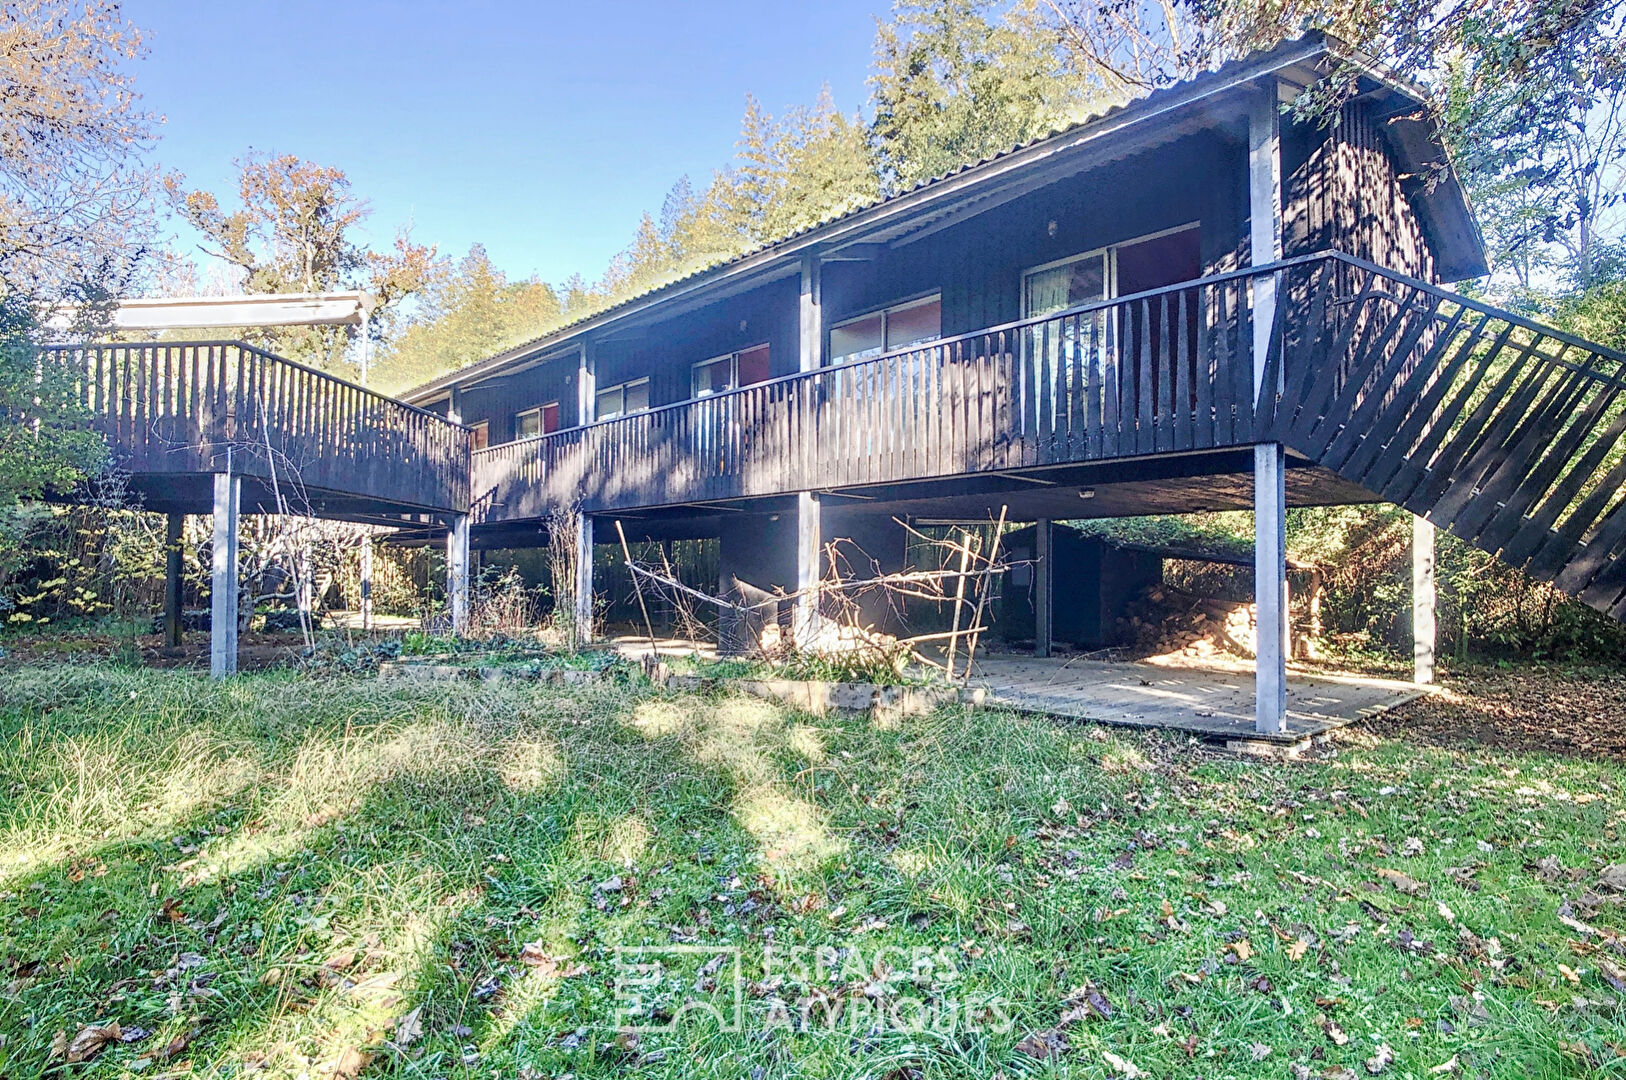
(1544, 153)
(74, 220)
(810, 165)
(959, 80)
(466, 313)
(293, 232)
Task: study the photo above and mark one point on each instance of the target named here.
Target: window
(1165, 258)
(542, 420)
(729, 372)
(1069, 283)
(482, 434)
(621, 399)
(888, 330)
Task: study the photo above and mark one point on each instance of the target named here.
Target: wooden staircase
(1502, 431)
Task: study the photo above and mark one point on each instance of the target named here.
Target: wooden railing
(1162, 371)
(1507, 433)
(183, 407)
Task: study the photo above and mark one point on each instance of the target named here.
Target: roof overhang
(1160, 117)
(269, 309)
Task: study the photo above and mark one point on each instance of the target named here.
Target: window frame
(541, 414)
(1109, 251)
(621, 387)
(478, 429)
(921, 300)
(519, 421)
(733, 359)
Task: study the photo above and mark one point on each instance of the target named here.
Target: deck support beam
(584, 579)
(1269, 459)
(1044, 583)
(586, 385)
(1264, 215)
(173, 615)
(805, 617)
(1424, 600)
(367, 581)
(457, 572)
(1270, 587)
(810, 328)
(223, 577)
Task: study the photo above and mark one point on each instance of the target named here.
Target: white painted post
(586, 386)
(454, 406)
(1269, 459)
(811, 325)
(584, 579)
(1044, 579)
(1424, 600)
(805, 618)
(223, 583)
(1264, 219)
(457, 572)
(1270, 586)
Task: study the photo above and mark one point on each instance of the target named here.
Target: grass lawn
(337, 877)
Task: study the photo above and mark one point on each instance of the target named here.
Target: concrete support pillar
(584, 579)
(1270, 586)
(172, 580)
(223, 577)
(809, 553)
(1424, 600)
(367, 582)
(457, 572)
(1044, 585)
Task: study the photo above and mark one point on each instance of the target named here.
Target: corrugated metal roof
(1294, 51)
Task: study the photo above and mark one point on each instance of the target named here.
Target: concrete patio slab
(1213, 699)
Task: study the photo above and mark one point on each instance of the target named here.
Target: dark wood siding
(1342, 191)
(500, 401)
(668, 351)
(978, 264)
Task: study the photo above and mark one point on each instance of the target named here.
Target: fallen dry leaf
(1380, 1060)
(409, 1028)
(1335, 1033)
(91, 1041)
(1449, 1065)
(1043, 1045)
(1122, 1066)
(350, 1064)
(1243, 949)
(1614, 877)
(1404, 883)
(1296, 951)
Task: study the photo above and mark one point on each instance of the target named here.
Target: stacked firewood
(1163, 620)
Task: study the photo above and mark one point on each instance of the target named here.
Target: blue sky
(541, 130)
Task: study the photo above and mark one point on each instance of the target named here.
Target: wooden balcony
(195, 408)
(1159, 372)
